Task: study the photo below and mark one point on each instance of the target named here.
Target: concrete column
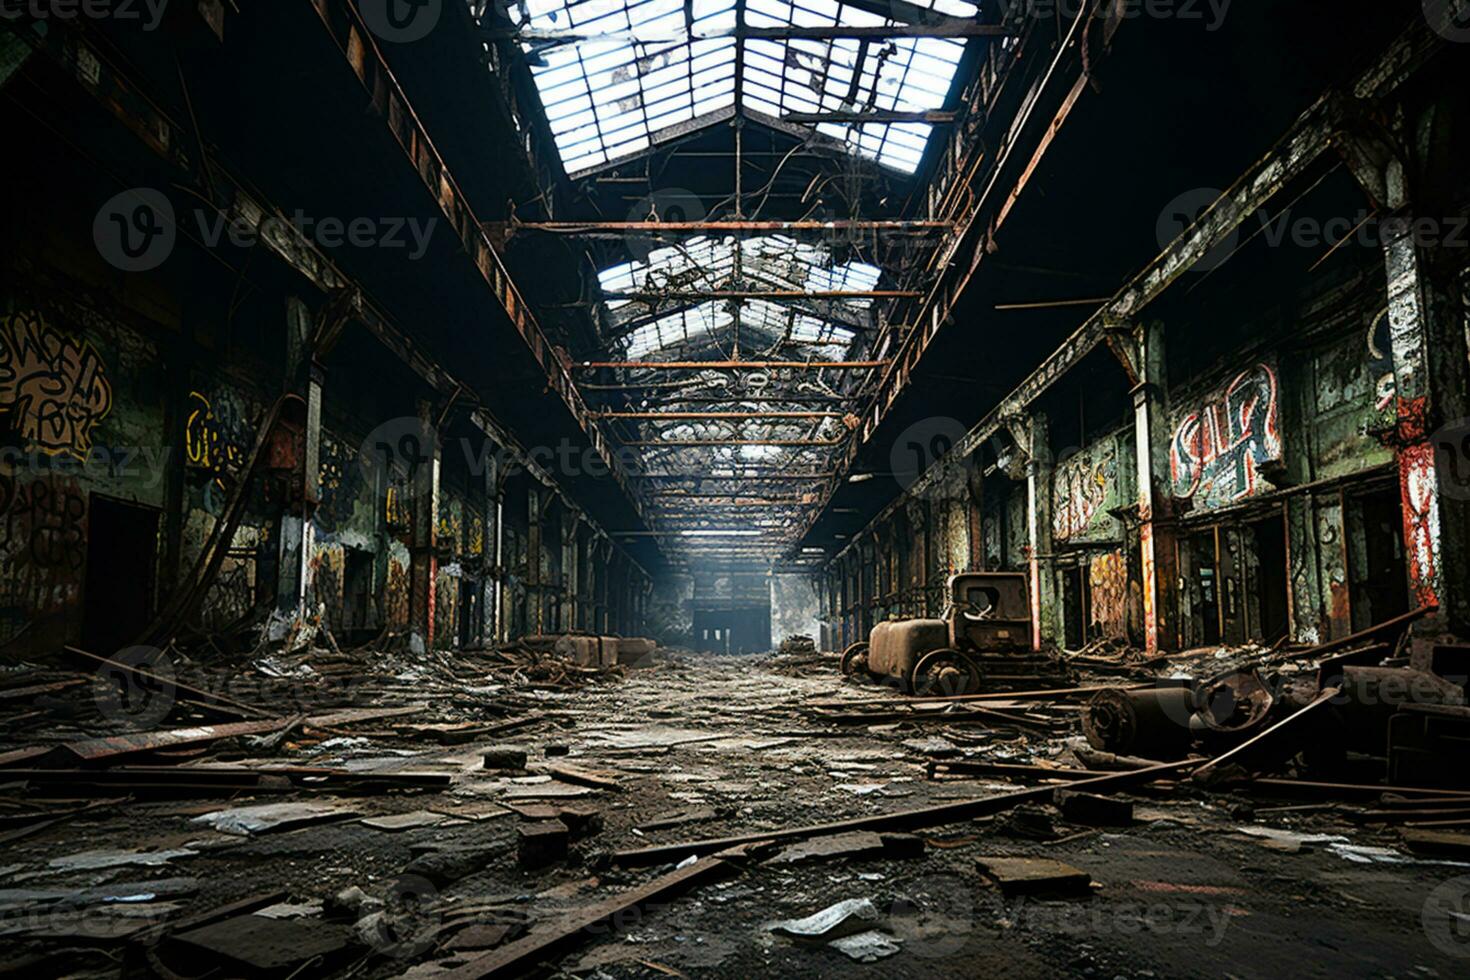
(1431, 405)
(535, 512)
(293, 584)
(571, 570)
(423, 557)
(1038, 532)
(1155, 528)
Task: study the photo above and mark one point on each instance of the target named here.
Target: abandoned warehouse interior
(645, 488)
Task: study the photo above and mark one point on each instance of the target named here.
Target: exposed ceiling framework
(616, 76)
(736, 325)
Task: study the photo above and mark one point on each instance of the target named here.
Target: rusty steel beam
(688, 443)
(718, 415)
(729, 365)
(645, 295)
(1309, 138)
(934, 117)
(773, 475)
(951, 27)
(723, 227)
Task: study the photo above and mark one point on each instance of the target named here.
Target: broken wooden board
(257, 945)
(101, 751)
(515, 959)
(928, 816)
(1035, 876)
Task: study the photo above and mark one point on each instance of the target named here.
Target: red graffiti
(1218, 450)
(1421, 521)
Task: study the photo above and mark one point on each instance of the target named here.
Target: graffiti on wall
(1084, 487)
(395, 595)
(43, 543)
(53, 389)
(1218, 448)
(1421, 521)
(340, 482)
(1107, 577)
(1380, 362)
(215, 433)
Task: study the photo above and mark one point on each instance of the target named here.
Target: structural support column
(1155, 526)
(1431, 404)
(1038, 530)
(423, 556)
(293, 584)
(571, 570)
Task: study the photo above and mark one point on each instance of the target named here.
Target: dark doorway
(739, 630)
(1199, 570)
(1377, 573)
(122, 557)
(357, 590)
(1270, 584)
(1074, 607)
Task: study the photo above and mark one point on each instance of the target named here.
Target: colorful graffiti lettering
(54, 389)
(1217, 450)
(1080, 491)
(1421, 521)
(1107, 575)
(213, 442)
(395, 594)
(47, 520)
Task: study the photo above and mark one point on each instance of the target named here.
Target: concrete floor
(1186, 891)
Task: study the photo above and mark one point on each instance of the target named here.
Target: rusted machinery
(983, 638)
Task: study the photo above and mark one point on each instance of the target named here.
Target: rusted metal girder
(953, 27)
(1312, 135)
(687, 443)
(651, 295)
(762, 476)
(718, 415)
(934, 117)
(730, 365)
(894, 225)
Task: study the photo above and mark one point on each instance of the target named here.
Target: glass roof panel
(645, 71)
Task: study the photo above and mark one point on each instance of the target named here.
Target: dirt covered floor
(299, 875)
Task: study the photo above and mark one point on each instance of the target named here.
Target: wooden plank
(520, 955)
(929, 816)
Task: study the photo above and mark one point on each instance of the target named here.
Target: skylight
(708, 264)
(616, 75)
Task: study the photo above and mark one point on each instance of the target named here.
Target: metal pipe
(717, 415)
(727, 227)
(930, 116)
(728, 365)
(771, 294)
(688, 443)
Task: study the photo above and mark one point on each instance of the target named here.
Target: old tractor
(982, 639)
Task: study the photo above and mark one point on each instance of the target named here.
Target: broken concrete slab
(1035, 876)
(541, 842)
(257, 945)
(247, 821)
(505, 757)
(866, 947)
(395, 822)
(99, 859)
(1093, 810)
(853, 846)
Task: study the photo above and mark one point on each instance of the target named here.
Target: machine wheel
(855, 660)
(942, 673)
